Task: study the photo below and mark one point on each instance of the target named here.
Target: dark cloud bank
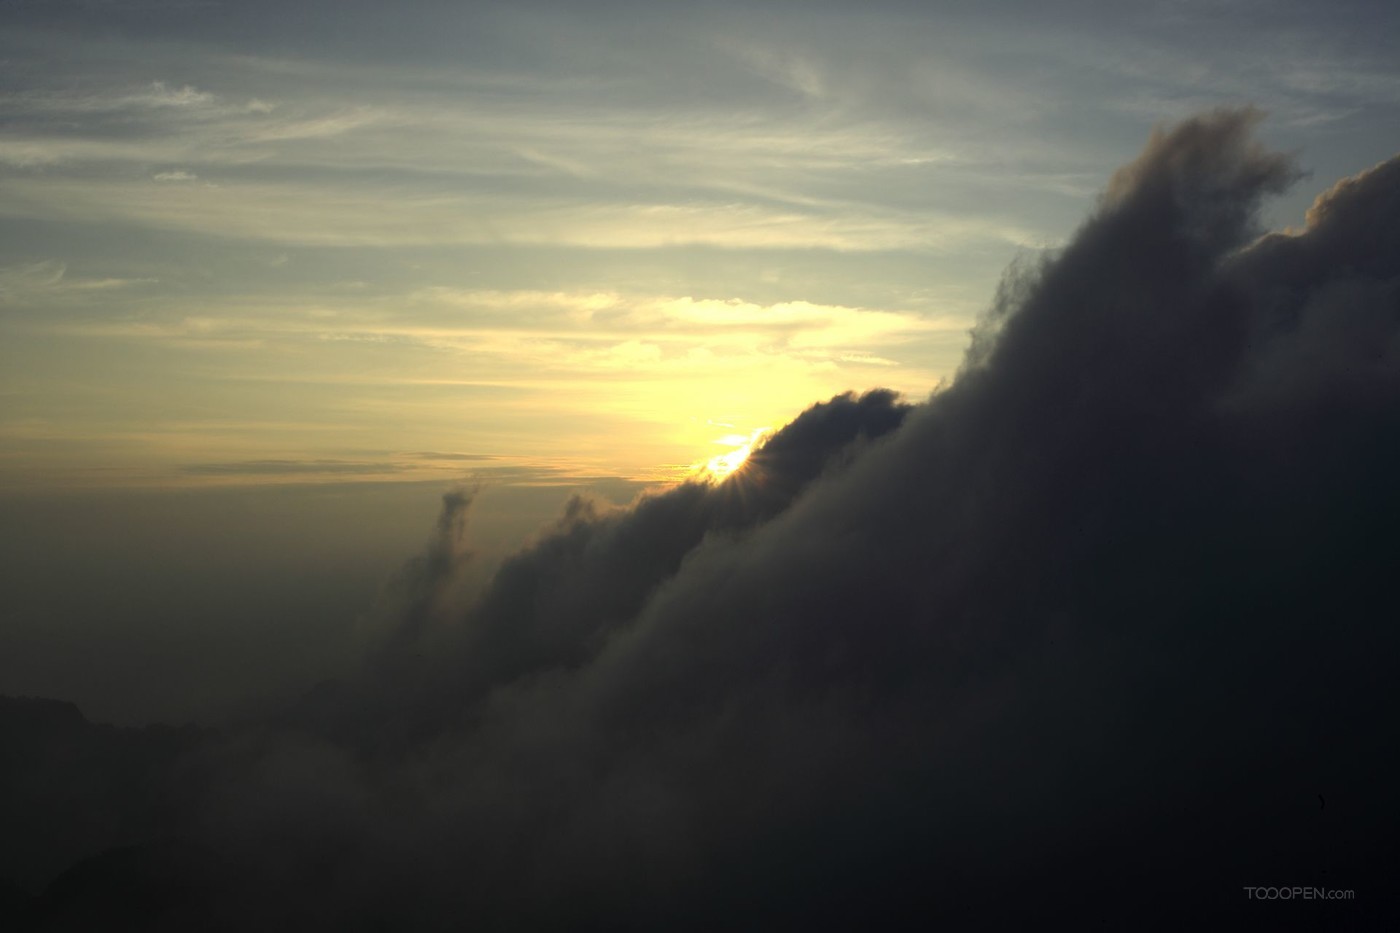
(1090, 636)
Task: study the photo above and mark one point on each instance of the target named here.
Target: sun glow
(717, 468)
(721, 466)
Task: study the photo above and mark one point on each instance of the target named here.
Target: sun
(722, 466)
(717, 468)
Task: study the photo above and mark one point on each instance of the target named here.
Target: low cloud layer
(1087, 636)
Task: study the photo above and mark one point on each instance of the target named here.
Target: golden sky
(535, 246)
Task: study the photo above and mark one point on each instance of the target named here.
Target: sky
(248, 243)
(695, 466)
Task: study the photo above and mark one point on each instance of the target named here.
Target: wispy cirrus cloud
(48, 281)
(650, 372)
(769, 209)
